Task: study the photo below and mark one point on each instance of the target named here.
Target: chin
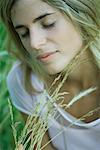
(54, 71)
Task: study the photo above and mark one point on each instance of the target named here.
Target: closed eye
(47, 26)
(23, 35)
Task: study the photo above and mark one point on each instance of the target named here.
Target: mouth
(46, 56)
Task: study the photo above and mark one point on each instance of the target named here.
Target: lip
(46, 56)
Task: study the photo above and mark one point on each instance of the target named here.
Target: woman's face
(47, 33)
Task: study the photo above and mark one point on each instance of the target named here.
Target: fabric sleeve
(19, 97)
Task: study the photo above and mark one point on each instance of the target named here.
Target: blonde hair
(83, 13)
(86, 15)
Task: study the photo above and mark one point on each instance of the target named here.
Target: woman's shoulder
(16, 68)
(16, 76)
(20, 98)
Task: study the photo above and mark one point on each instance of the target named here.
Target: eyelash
(44, 26)
(49, 25)
(25, 34)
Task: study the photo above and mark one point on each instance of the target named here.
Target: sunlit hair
(83, 13)
(86, 15)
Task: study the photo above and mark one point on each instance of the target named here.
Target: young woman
(58, 44)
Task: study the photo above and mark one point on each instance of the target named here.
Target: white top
(79, 136)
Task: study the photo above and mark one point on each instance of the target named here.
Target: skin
(61, 38)
(54, 41)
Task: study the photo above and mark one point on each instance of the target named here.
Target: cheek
(60, 34)
(70, 38)
(66, 32)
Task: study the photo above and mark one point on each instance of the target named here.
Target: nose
(37, 38)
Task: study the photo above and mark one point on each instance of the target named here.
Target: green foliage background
(6, 61)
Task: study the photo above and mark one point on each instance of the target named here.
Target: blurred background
(6, 61)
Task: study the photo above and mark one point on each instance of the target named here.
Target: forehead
(25, 10)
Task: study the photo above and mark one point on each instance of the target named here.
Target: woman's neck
(84, 76)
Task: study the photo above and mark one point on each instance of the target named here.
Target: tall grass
(15, 134)
(6, 135)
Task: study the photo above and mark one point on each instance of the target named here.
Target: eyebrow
(35, 20)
